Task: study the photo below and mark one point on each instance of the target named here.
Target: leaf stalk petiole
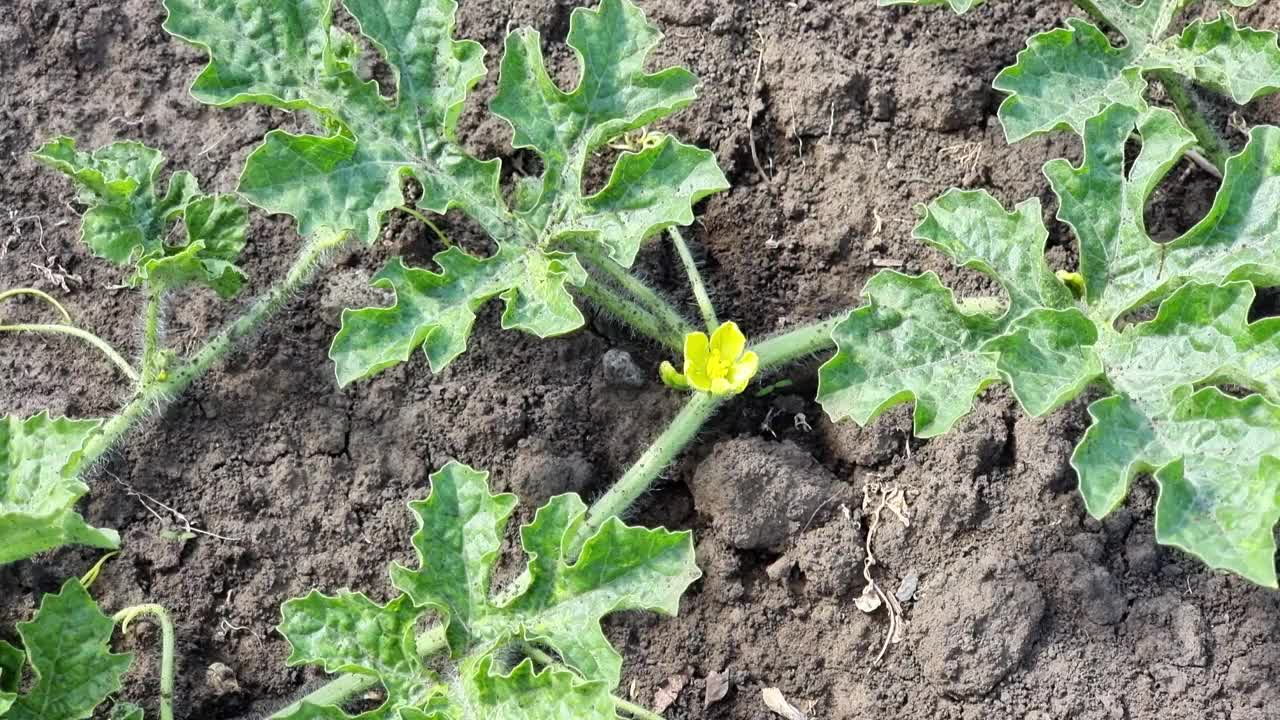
(167, 649)
(427, 221)
(85, 335)
(695, 281)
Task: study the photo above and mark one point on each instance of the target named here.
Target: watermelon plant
(546, 234)
(1068, 75)
(534, 650)
(73, 671)
(1161, 330)
(131, 221)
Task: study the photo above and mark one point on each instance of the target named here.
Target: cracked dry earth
(1025, 608)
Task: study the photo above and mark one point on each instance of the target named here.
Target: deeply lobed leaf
(1213, 455)
(127, 220)
(66, 645)
(1067, 75)
(287, 54)
(557, 605)
(40, 461)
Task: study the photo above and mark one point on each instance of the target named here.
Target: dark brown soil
(1025, 608)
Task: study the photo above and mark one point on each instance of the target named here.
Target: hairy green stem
(646, 296)
(85, 335)
(695, 281)
(796, 344)
(641, 475)
(636, 317)
(161, 392)
(15, 292)
(635, 711)
(151, 338)
(1211, 143)
(167, 653)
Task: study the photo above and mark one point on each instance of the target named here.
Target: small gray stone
(620, 369)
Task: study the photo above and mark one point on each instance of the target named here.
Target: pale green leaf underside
(1213, 455)
(39, 465)
(66, 645)
(557, 605)
(285, 53)
(1068, 75)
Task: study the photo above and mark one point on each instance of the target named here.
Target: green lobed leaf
(215, 226)
(562, 603)
(910, 342)
(40, 460)
(1200, 335)
(557, 605)
(435, 311)
(286, 53)
(73, 666)
(1213, 455)
(525, 694)
(1215, 459)
(1047, 356)
(126, 711)
(1240, 62)
(349, 633)
(1067, 75)
(1122, 266)
(127, 220)
(972, 229)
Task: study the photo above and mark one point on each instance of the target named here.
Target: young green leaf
(556, 605)
(39, 468)
(74, 669)
(128, 220)
(288, 55)
(1216, 457)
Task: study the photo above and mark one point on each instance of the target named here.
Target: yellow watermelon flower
(717, 365)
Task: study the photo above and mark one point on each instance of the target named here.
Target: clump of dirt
(1025, 609)
(758, 493)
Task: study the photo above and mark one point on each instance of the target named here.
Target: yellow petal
(720, 387)
(743, 370)
(729, 340)
(696, 350)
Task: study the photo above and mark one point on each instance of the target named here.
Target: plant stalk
(641, 475)
(167, 645)
(427, 221)
(85, 335)
(162, 392)
(796, 344)
(15, 292)
(646, 296)
(638, 318)
(695, 281)
(1215, 149)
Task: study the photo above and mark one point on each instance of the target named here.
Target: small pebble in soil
(621, 370)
